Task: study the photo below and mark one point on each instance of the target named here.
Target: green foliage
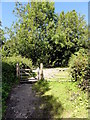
(67, 94)
(2, 38)
(8, 79)
(36, 22)
(71, 35)
(18, 59)
(9, 74)
(43, 36)
(49, 103)
(40, 35)
(79, 66)
(8, 49)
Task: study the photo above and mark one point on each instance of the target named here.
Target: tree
(71, 35)
(37, 26)
(43, 36)
(2, 38)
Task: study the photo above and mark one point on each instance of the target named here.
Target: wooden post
(38, 72)
(41, 71)
(17, 70)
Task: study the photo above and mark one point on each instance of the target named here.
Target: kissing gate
(24, 75)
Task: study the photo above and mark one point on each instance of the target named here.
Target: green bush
(18, 59)
(9, 74)
(79, 66)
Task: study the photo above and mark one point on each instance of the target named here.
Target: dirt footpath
(24, 102)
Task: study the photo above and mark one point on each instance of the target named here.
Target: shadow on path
(29, 102)
(49, 105)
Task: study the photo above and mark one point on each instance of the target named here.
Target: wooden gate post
(38, 71)
(17, 70)
(41, 71)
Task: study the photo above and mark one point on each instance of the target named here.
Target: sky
(8, 17)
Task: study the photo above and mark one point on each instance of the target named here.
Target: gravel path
(51, 72)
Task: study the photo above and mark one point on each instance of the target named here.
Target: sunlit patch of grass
(74, 101)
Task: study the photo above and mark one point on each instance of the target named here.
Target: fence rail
(24, 74)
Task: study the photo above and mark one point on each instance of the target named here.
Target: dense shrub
(79, 67)
(14, 59)
(9, 74)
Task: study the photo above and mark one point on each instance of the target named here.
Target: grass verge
(72, 102)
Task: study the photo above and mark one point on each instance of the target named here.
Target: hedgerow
(79, 68)
(9, 75)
